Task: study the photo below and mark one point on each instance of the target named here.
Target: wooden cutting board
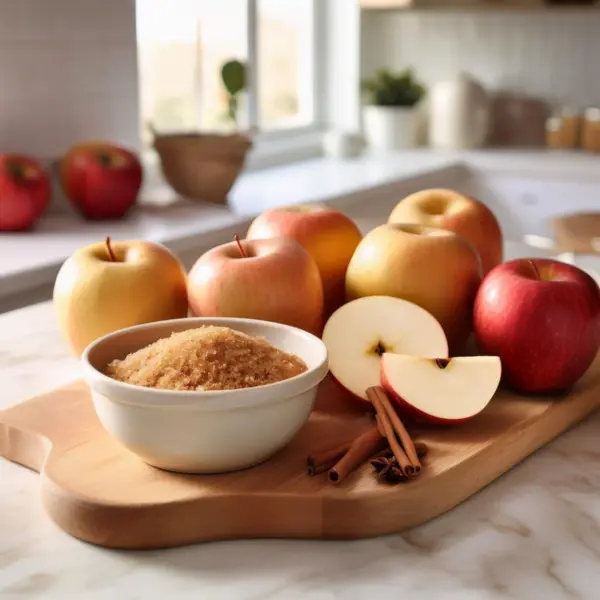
(101, 493)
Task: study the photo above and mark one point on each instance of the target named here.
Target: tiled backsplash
(551, 55)
(67, 73)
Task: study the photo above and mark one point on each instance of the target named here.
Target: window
(182, 46)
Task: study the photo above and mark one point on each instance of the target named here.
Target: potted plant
(390, 116)
(204, 166)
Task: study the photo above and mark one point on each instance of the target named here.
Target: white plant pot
(390, 127)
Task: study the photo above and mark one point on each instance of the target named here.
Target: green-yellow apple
(272, 280)
(328, 235)
(542, 318)
(457, 212)
(108, 286)
(434, 268)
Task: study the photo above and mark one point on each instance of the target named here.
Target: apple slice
(443, 390)
(359, 332)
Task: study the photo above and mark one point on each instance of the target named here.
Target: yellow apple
(434, 268)
(108, 286)
(272, 280)
(459, 213)
(328, 235)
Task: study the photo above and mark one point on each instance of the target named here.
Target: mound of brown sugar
(207, 358)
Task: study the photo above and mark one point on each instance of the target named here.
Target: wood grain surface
(99, 492)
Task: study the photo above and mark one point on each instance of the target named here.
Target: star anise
(388, 471)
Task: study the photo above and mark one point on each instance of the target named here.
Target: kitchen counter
(534, 534)
(29, 261)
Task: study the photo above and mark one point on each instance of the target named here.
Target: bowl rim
(227, 399)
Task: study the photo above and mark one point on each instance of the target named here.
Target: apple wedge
(444, 390)
(358, 333)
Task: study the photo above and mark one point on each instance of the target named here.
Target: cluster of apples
(417, 286)
(537, 321)
(100, 179)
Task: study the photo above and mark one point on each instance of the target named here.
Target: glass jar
(563, 129)
(590, 135)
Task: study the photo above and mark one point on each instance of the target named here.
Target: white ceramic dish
(204, 432)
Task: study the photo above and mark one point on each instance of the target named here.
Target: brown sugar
(207, 358)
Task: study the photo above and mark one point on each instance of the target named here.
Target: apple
(457, 212)
(272, 280)
(444, 391)
(328, 235)
(358, 333)
(434, 268)
(25, 192)
(101, 180)
(542, 318)
(108, 286)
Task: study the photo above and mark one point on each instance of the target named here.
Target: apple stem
(109, 249)
(239, 244)
(536, 271)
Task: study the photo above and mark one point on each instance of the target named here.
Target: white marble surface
(534, 534)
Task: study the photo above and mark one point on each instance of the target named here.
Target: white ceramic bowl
(204, 432)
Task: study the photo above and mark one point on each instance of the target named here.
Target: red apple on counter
(361, 331)
(542, 318)
(328, 235)
(101, 180)
(272, 280)
(459, 213)
(444, 391)
(25, 192)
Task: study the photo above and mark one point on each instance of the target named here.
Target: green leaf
(233, 74)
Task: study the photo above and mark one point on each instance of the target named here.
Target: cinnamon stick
(421, 448)
(323, 461)
(374, 394)
(360, 450)
(400, 430)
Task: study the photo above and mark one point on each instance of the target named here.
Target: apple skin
(277, 281)
(545, 330)
(434, 268)
(94, 296)
(101, 180)
(456, 212)
(25, 192)
(328, 235)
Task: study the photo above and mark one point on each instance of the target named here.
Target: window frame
(318, 48)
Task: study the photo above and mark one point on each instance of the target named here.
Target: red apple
(273, 280)
(25, 192)
(444, 391)
(101, 179)
(328, 235)
(542, 318)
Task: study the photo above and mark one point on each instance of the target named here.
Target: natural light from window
(183, 44)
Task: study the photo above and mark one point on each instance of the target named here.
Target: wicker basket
(202, 166)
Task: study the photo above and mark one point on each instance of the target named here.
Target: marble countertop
(534, 534)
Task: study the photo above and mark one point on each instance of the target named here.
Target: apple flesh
(101, 180)
(444, 391)
(459, 213)
(25, 192)
(272, 280)
(361, 331)
(328, 235)
(542, 318)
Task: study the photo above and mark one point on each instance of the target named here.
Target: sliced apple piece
(358, 333)
(443, 390)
